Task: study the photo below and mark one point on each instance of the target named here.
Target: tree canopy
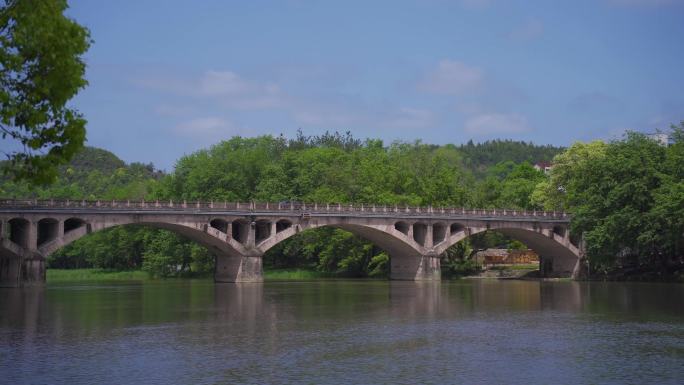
(41, 69)
(626, 197)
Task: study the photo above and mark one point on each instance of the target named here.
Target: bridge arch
(409, 260)
(212, 238)
(389, 239)
(558, 256)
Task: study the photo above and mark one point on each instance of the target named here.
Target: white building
(545, 167)
(661, 138)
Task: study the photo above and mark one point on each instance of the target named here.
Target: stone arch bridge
(239, 234)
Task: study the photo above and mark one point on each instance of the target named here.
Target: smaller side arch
(559, 230)
(48, 230)
(262, 230)
(439, 233)
(19, 231)
(73, 223)
(219, 224)
(402, 227)
(456, 228)
(240, 230)
(420, 230)
(282, 225)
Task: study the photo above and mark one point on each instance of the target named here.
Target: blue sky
(170, 77)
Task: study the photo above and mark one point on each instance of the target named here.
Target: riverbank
(523, 272)
(673, 274)
(70, 275)
(66, 275)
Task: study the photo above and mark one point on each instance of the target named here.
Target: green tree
(41, 69)
(560, 191)
(612, 198)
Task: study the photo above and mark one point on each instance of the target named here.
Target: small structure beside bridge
(239, 234)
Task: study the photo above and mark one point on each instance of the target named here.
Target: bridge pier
(238, 268)
(415, 268)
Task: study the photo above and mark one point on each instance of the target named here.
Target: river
(333, 332)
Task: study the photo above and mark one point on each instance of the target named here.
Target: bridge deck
(269, 209)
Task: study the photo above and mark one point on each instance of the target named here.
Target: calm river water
(333, 332)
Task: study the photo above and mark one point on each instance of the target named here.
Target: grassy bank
(64, 275)
(293, 275)
(528, 266)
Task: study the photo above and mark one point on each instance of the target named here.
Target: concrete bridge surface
(239, 234)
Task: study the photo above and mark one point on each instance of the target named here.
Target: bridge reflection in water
(90, 311)
(328, 332)
(239, 234)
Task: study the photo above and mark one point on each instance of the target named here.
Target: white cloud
(496, 123)
(644, 3)
(226, 88)
(206, 127)
(352, 116)
(469, 108)
(169, 110)
(232, 91)
(452, 77)
(223, 83)
(325, 118)
(530, 30)
(410, 118)
(475, 4)
(595, 102)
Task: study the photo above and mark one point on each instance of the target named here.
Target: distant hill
(93, 173)
(93, 158)
(480, 156)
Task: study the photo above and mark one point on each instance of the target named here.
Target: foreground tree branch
(41, 69)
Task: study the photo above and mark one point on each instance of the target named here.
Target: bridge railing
(314, 208)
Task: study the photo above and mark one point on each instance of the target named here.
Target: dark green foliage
(168, 255)
(329, 250)
(40, 71)
(453, 268)
(339, 170)
(479, 157)
(117, 248)
(92, 174)
(159, 252)
(628, 202)
(508, 185)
